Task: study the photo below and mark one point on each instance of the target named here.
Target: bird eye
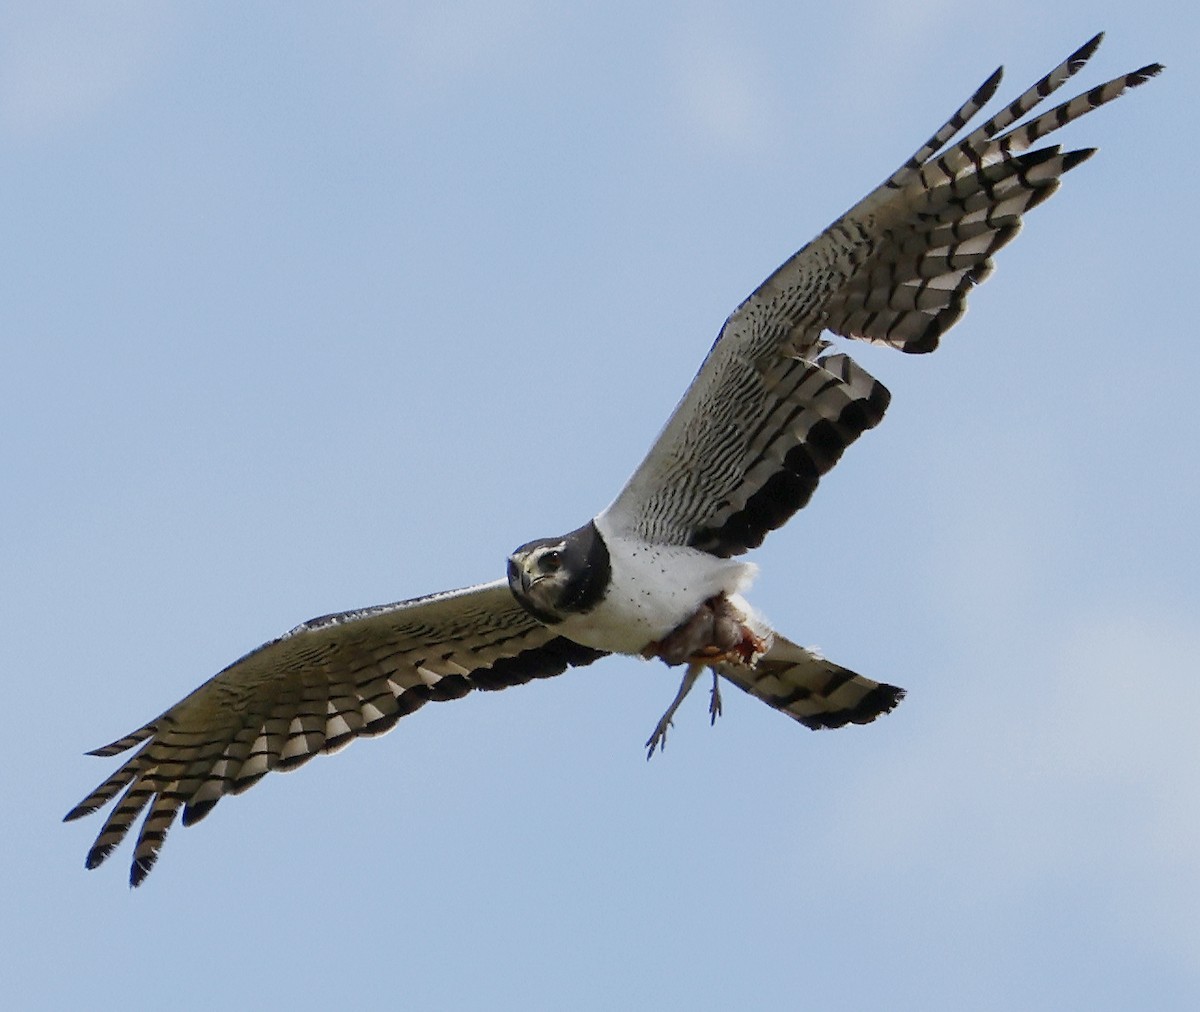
(550, 562)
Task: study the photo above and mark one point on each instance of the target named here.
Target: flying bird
(658, 573)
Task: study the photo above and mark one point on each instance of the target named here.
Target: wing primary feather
(732, 463)
(312, 691)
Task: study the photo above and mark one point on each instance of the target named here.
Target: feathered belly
(653, 589)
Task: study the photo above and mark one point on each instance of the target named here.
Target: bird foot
(658, 740)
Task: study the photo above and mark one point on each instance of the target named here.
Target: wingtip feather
(99, 854)
(1085, 52)
(1143, 74)
(986, 91)
(125, 743)
(140, 868)
(79, 811)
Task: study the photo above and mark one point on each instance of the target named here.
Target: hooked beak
(518, 575)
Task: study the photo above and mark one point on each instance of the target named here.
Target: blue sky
(308, 307)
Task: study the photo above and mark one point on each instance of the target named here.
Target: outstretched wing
(768, 413)
(313, 690)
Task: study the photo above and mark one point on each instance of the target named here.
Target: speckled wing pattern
(770, 412)
(314, 690)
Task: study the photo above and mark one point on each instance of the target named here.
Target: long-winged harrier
(654, 574)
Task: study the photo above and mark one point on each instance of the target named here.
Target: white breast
(653, 590)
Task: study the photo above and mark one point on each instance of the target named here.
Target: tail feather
(812, 690)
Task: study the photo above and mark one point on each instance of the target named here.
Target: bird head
(555, 577)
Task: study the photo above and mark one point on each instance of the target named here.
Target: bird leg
(715, 634)
(658, 740)
(714, 702)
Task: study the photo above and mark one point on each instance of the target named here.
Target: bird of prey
(657, 573)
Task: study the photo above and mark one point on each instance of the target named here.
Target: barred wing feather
(312, 691)
(768, 413)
